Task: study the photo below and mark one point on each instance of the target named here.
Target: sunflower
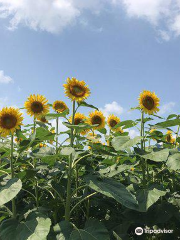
(149, 102)
(18, 140)
(112, 121)
(76, 90)
(97, 118)
(43, 119)
(152, 131)
(92, 137)
(169, 137)
(42, 145)
(78, 119)
(59, 106)
(120, 130)
(36, 105)
(10, 120)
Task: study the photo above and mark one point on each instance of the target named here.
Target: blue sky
(118, 47)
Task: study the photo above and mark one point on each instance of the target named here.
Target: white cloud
(5, 79)
(56, 15)
(151, 10)
(133, 133)
(46, 15)
(112, 108)
(164, 15)
(164, 35)
(166, 108)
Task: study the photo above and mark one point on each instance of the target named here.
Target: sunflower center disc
(77, 91)
(59, 107)
(37, 107)
(148, 102)
(113, 123)
(96, 120)
(169, 138)
(77, 121)
(9, 121)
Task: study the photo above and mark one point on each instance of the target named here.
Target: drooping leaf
(147, 197)
(35, 229)
(44, 134)
(84, 104)
(66, 151)
(124, 142)
(173, 161)
(113, 189)
(168, 123)
(93, 230)
(51, 116)
(158, 155)
(114, 170)
(10, 190)
(126, 124)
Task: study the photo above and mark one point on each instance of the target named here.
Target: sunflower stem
(142, 148)
(68, 197)
(12, 175)
(34, 164)
(55, 193)
(34, 126)
(177, 133)
(57, 132)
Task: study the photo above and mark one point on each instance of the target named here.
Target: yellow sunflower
(169, 137)
(149, 102)
(36, 105)
(120, 130)
(97, 118)
(43, 119)
(42, 145)
(59, 106)
(152, 130)
(92, 137)
(18, 140)
(78, 119)
(112, 121)
(10, 120)
(76, 90)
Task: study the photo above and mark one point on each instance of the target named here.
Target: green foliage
(113, 183)
(9, 190)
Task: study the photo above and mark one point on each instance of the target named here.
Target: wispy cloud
(4, 78)
(112, 108)
(133, 133)
(166, 108)
(164, 15)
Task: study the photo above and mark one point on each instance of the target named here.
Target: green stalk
(12, 175)
(34, 127)
(142, 148)
(57, 132)
(34, 164)
(68, 197)
(177, 133)
(55, 193)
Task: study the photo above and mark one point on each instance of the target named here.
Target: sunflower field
(97, 184)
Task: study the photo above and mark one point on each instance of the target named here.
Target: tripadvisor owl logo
(138, 231)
